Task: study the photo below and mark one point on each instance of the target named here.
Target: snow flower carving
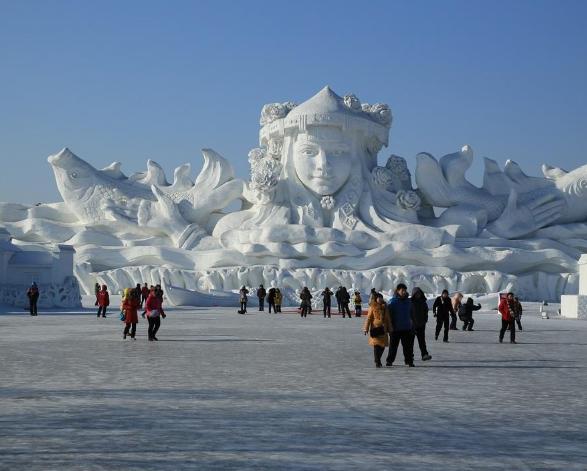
(381, 176)
(265, 174)
(352, 102)
(327, 202)
(274, 111)
(255, 155)
(408, 199)
(398, 167)
(381, 113)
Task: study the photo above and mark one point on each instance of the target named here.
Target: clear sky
(131, 80)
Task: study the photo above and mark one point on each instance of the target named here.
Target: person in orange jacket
(507, 309)
(103, 301)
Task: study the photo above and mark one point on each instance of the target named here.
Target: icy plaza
(223, 391)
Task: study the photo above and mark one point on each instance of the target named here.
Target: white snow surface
(224, 391)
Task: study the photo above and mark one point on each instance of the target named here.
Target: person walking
(345, 299)
(144, 294)
(243, 299)
(278, 300)
(306, 298)
(96, 291)
(154, 308)
(326, 301)
(33, 295)
(103, 301)
(466, 314)
(419, 316)
(261, 293)
(401, 326)
(442, 309)
(358, 301)
(507, 309)
(130, 306)
(456, 301)
(271, 299)
(518, 312)
(338, 295)
(378, 326)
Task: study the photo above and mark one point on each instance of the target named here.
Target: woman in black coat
(419, 315)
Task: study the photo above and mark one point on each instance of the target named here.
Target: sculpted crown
(326, 108)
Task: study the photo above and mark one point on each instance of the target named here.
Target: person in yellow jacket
(378, 327)
(278, 299)
(358, 301)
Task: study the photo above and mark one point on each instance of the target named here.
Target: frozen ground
(223, 391)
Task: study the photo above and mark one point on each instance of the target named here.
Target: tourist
(278, 300)
(159, 292)
(103, 301)
(466, 314)
(401, 326)
(326, 301)
(518, 312)
(144, 294)
(130, 305)
(338, 295)
(378, 327)
(243, 299)
(345, 299)
(507, 309)
(96, 291)
(33, 295)
(154, 313)
(306, 298)
(271, 299)
(261, 293)
(151, 288)
(442, 309)
(456, 302)
(419, 315)
(372, 296)
(358, 303)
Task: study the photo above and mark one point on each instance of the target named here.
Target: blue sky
(131, 80)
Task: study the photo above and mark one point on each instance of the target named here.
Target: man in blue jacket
(402, 329)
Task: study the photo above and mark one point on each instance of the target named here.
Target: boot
(426, 357)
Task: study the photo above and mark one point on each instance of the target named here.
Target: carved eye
(73, 174)
(309, 151)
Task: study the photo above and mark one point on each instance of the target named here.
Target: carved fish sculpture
(516, 204)
(99, 196)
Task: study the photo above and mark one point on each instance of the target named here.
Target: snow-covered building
(51, 269)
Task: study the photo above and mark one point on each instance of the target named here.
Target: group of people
(404, 319)
(274, 299)
(150, 299)
(273, 296)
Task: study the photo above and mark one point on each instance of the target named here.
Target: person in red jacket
(154, 313)
(130, 307)
(103, 301)
(507, 309)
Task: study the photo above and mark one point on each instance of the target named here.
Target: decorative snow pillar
(575, 306)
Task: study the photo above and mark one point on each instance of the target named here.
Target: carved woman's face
(322, 159)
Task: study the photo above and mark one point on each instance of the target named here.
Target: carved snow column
(63, 266)
(575, 306)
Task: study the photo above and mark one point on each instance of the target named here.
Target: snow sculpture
(317, 210)
(572, 305)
